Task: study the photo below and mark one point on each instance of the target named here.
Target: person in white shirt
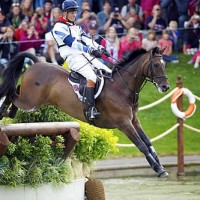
(80, 52)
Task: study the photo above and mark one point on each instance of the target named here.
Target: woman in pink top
(130, 42)
(111, 44)
(166, 42)
(40, 22)
(29, 40)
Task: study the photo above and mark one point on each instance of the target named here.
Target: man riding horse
(80, 52)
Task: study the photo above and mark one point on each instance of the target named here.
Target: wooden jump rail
(69, 130)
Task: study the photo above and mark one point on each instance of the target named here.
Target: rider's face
(71, 16)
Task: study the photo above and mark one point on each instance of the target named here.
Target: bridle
(145, 78)
(150, 70)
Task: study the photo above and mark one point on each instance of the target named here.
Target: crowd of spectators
(119, 25)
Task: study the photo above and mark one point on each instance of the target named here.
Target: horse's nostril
(165, 88)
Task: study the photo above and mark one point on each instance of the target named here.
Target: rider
(80, 51)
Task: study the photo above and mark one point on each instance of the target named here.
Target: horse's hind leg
(13, 111)
(132, 134)
(4, 107)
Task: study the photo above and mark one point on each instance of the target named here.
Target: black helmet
(69, 5)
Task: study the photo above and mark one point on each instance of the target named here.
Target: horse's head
(155, 69)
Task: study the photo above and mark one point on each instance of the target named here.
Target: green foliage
(32, 161)
(28, 162)
(95, 143)
(46, 113)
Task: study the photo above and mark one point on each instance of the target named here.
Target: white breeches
(80, 64)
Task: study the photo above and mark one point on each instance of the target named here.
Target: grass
(160, 118)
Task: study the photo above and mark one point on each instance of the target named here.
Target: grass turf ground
(160, 118)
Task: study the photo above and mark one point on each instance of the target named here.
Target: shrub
(32, 161)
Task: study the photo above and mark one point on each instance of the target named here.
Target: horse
(45, 83)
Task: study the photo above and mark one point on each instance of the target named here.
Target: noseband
(150, 70)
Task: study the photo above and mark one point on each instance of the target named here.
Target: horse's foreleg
(132, 134)
(136, 123)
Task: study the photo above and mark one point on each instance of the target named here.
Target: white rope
(153, 139)
(191, 128)
(158, 101)
(197, 98)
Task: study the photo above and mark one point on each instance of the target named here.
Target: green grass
(160, 118)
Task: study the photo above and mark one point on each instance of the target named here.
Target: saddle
(78, 83)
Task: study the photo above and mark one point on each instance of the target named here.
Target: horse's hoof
(163, 174)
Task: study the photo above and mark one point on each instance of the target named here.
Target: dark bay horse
(45, 83)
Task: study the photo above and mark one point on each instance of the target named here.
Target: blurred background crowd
(121, 26)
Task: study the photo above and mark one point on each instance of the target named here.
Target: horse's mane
(132, 56)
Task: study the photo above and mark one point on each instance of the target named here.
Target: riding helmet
(69, 5)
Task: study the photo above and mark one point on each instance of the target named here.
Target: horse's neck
(133, 75)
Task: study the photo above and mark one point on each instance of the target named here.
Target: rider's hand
(104, 51)
(94, 52)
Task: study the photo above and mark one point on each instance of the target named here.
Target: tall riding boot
(90, 110)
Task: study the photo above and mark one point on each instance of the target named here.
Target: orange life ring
(191, 108)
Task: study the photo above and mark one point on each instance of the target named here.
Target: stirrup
(92, 114)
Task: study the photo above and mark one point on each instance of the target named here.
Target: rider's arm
(88, 40)
(63, 34)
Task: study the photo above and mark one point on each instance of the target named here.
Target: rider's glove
(103, 51)
(94, 52)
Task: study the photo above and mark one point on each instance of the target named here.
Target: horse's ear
(155, 50)
(162, 50)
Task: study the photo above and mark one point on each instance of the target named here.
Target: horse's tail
(11, 74)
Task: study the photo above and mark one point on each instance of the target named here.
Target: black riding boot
(90, 110)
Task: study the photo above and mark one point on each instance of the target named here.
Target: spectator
(150, 41)
(93, 33)
(4, 22)
(28, 40)
(51, 52)
(87, 17)
(193, 32)
(15, 16)
(85, 5)
(50, 48)
(147, 6)
(39, 21)
(130, 42)
(174, 35)
(47, 8)
(111, 44)
(177, 10)
(156, 22)
(20, 30)
(57, 3)
(38, 3)
(165, 42)
(104, 14)
(117, 22)
(27, 9)
(55, 14)
(8, 47)
(5, 5)
(169, 10)
(132, 14)
(195, 59)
